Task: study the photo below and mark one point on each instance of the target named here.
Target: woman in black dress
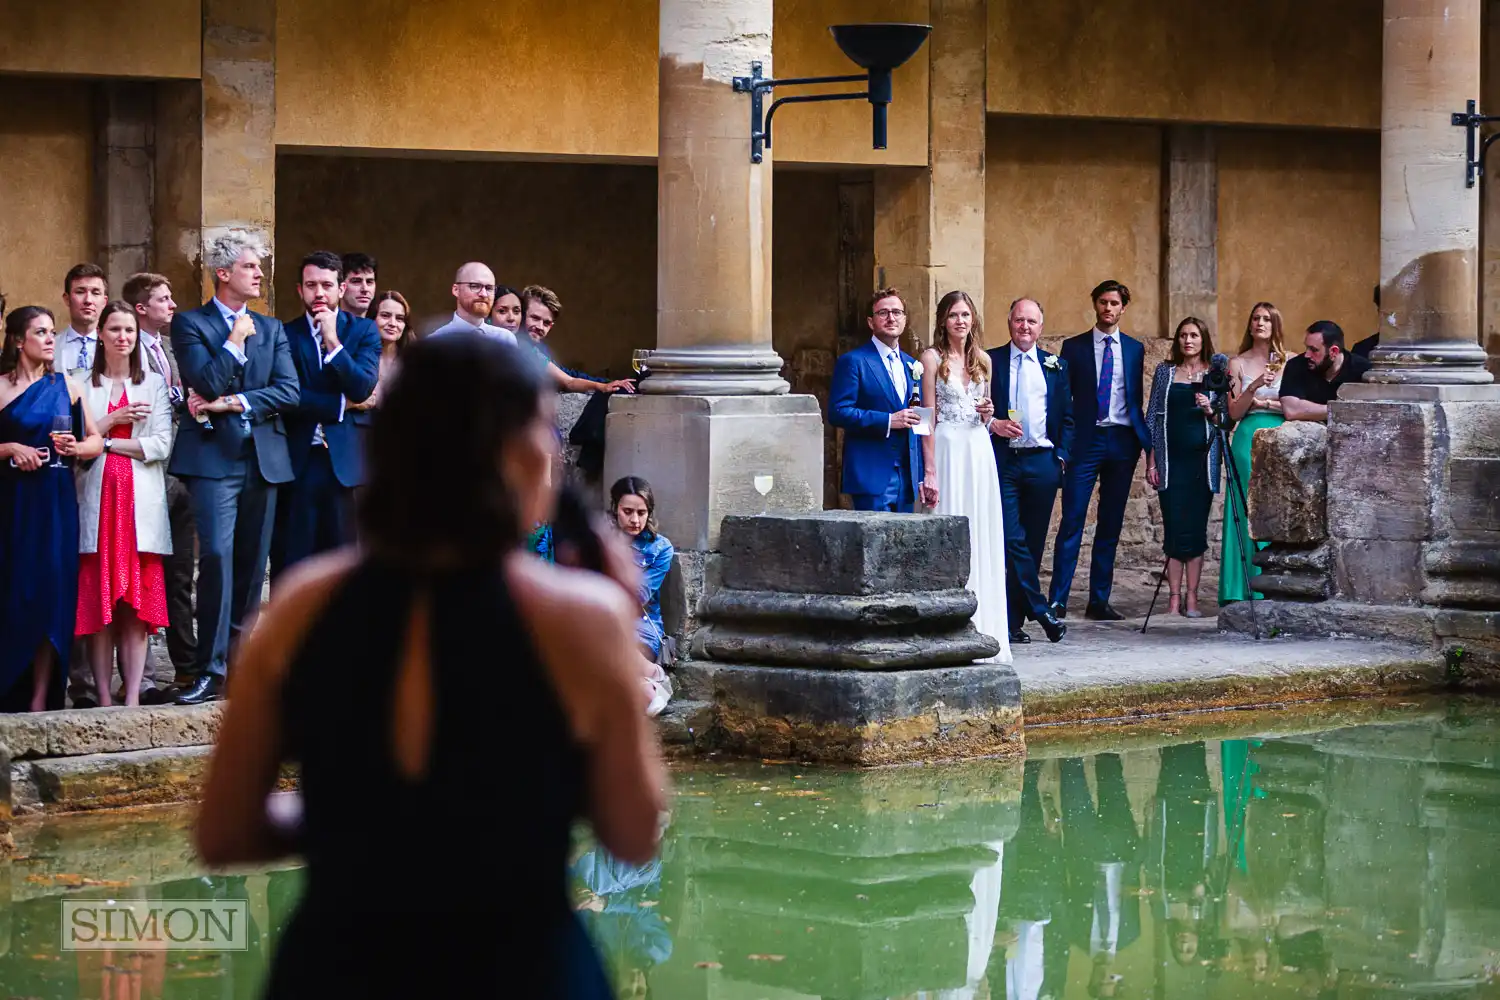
(360, 671)
(1184, 460)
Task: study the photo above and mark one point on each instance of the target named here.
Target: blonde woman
(960, 473)
(1254, 404)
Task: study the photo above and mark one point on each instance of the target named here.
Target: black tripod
(1239, 513)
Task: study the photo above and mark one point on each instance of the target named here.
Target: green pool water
(1321, 861)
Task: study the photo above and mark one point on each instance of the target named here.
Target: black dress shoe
(1059, 611)
(205, 689)
(1055, 629)
(85, 702)
(153, 696)
(1018, 637)
(1102, 613)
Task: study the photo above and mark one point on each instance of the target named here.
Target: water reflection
(1355, 863)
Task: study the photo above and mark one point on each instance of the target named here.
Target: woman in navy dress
(409, 614)
(38, 513)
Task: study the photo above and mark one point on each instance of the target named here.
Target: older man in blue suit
(1106, 369)
(1032, 446)
(232, 455)
(338, 362)
(869, 398)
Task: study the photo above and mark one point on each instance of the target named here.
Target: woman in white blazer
(122, 501)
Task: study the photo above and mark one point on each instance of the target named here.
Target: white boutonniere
(916, 371)
(1052, 362)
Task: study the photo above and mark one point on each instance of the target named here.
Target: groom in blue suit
(1031, 453)
(869, 398)
(1106, 368)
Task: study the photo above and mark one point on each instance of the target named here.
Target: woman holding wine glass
(1254, 404)
(40, 416)
(959, 460)
(123, 529)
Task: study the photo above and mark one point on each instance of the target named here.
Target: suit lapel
(882, 374)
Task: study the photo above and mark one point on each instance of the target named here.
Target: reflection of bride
(959, 460)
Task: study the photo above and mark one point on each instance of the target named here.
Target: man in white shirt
(85, 292)
(151, 295)
(1032, 443)
(474, 296)
(1105, 372)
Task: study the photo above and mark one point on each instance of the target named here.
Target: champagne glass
(62, 423)
(638, 360)
(763, 486)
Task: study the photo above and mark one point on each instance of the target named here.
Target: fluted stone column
(714, 416)
(1429, 221)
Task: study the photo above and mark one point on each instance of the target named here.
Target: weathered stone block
(860, 717)
(1289, 489)
(880, 611)
(1377, 571)
(185, 725)
(1381, 470)
(1471, 497)
(845, 552)
(98, 730)
(95, 781)
(881, 651)
(1331, 618)
(24, 734)
(1468, 624)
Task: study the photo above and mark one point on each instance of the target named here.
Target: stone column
(929, 221)
(1190, 279)
(1429, 221)
(239, 125)
(713, 245)
(714, 418)
(124, 154)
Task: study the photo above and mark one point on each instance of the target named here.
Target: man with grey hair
(1031, 450)
(474, 296)
(237, 366)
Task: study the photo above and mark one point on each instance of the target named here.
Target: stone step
(106, 780)
(683, 721)
(74, 732)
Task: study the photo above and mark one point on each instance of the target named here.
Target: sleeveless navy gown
(38, 549)
(460, 877)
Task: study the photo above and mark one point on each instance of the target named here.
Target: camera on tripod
(1216, 379)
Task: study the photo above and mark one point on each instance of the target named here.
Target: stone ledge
(1332, 619)
(74, 732)
(106, 780)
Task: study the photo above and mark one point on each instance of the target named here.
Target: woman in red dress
(122, 498)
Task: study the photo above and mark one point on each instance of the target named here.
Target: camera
(1216, 379)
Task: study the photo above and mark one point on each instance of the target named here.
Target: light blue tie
(1020, 387)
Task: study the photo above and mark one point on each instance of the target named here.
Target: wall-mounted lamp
(879, 48)
(1470, 120)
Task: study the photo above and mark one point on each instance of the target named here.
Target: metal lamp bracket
(757, 86)
(1470, 120)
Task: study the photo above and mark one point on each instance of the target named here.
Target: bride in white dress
(959, 461)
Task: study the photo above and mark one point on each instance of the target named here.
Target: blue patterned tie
(1105, 392)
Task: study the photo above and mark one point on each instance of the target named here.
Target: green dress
(1186, 501)
(1237, 539)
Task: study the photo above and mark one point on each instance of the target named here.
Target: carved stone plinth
(846, 636)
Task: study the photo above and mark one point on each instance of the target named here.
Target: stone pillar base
(729, 370)
(703, 454)
(860, 717)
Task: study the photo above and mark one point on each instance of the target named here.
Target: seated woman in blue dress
(39, 418)
(633, 506)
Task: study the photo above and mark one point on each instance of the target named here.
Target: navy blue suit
(1029, 479)
(882, 467)
(232, 471)
(318, 513)
(1106, 455)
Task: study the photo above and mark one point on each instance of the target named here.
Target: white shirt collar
(459, 317)
(149, 339)
(1029, 353)
(1099, 335)
(72, 334)
(229, 314)
(885, 351)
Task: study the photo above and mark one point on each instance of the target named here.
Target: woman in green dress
(1254, 404)
(1183, 465)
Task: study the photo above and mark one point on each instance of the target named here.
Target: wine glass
(763, 486)
(638, 360)
(62, 423)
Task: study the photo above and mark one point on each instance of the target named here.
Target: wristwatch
(109, 445)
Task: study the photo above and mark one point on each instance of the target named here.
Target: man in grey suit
(238, 368)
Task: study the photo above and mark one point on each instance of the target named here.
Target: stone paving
(1109, 669)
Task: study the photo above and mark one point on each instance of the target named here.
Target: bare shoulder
(548, 592)
(930, 353)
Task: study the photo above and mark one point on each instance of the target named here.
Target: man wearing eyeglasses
(474, 294)
(870, 398)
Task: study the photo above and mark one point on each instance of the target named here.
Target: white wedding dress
(969, 487)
